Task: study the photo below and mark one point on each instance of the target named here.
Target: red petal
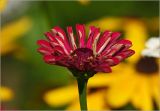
(97, 32)
(122, 55)
(45, 51)
(103, 68)
(71, 37)
(44, 43)
(60, 33)
(90, 37)
(50, 37)
(80, 29)
(126, 43)
(59, 49)
(103, 41)
(120, 46)
(49, 59)
(114, 49)
(114, 37)
(112, 61)
(53, 44)
(63, 45)
(128, 53)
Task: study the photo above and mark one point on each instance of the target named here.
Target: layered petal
(103, 41)
(45, 51)
(81, 35)
(104, 67)
(44, 44)
(49, 59)
(58, 32)
(71, 38)
(50, 37)
(121, 56)
(93, 31)
(113, 40)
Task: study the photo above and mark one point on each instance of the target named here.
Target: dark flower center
(83, 61)
(83, 53)
(83, 57)
(147, 65)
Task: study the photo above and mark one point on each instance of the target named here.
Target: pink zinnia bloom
(97, 53)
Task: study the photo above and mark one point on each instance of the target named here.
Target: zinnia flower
(96, 54)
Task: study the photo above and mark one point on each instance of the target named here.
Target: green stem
(82, 88)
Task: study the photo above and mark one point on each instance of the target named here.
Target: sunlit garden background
(28, 83)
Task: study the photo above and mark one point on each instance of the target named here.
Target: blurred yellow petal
(142, 96)
(9, 48)
(105, 79)
(136, 32)
(95, 102)
(84, 2)
(108, 23)
(61, 96)
(13, 31)
(100, 80)
(3, 4)
(156, 89)
(120, 92)
(6, 94)
(146, 97)
(136, 97)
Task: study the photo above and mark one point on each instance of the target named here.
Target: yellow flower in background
(11, 32)
(6, 94)
(3, 4)
(129, 82)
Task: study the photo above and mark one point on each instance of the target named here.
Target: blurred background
(26, 80)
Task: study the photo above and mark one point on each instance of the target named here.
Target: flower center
(83, 53)
(83, 58)
(147, 65)
(82, 62)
